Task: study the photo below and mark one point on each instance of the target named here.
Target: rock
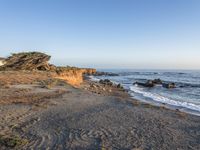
(36, 61)
(93, 86)
(119, 86)
(157, 81)
(101, 81)
(169, 85)
(27, 61)
(89, 71)
(149, 83)
(106, 82)
(152, 83)
(139, 83)
(105, 74)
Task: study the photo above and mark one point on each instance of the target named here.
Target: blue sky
(151, 34)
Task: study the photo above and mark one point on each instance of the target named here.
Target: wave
(137, 73)
(162, 99)
(189, 85)
(92, 78)
(174, 73)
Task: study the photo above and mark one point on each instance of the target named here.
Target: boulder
(169, 85)
(119, 86)
(149, 83)
(157, 81)
(152, 83)
(106, 82)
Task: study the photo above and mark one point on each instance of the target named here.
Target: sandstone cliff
(73, 75)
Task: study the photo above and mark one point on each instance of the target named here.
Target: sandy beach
(91, 116)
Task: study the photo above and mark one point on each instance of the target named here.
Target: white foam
(162, 99)
(92, 78)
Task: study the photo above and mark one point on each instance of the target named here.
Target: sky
(134, 34)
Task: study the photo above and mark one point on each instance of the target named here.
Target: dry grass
(25, 96)
(71, 75)
(22, 77)
(50, 83)
(12, 141)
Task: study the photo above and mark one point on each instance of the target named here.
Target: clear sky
(152, 34)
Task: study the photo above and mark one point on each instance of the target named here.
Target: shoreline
(154, 102)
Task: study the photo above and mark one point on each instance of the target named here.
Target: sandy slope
(80, 119)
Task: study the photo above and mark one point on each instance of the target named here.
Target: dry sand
(64, 117)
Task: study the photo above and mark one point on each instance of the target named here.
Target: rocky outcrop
(36, 61)
(152, 83)
(27, 61)
(89, 71)
(149, 83)
(105, 74)
(73, 75)
(169, 85)
(107, 82)
(157, 81)
(105, 87)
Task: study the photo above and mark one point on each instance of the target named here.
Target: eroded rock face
(73, 75)
(70, 75)
(27, 61)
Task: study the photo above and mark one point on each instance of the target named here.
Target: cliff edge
(37, 61)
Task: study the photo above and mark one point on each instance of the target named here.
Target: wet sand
(90, 117)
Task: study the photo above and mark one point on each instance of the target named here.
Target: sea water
(186, 95)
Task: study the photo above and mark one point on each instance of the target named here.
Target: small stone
(119, 86)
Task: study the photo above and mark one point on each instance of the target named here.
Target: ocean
(185, 97)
